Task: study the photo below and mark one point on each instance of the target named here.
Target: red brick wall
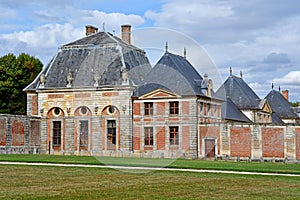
(240, 142)
(160, 138)
(211, 132)
(136, 108)
(3, 132)
(273, 142)
(34, 104)
(136, 138)
(185, 107)
(297, 132)
(34, 129)
(17, 133)
(161, 108)
(186, 138)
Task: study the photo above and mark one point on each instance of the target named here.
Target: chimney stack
(285, 94)
(126, 33)
(89, 30)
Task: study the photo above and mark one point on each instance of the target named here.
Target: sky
(261, 38)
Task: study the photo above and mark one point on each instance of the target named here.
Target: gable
(158, 94)
(266, 107)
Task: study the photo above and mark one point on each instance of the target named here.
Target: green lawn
(179, 163)
(36, 182)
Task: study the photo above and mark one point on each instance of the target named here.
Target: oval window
(111, 109)
(56, 111)
(83, 110)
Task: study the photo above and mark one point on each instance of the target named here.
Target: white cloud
(112, 21)
(292, 78)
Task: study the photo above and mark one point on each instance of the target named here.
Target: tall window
(216, 110)
(201, 107)
(111, 132)
(148, 136)
(84, 132)
(174, 136)
(208, 109)
(174, 108)
(56, 138)
(148, 108)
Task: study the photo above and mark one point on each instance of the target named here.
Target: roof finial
(279, 88)
(272, 86)
(241, 74)
(184, 52)
(103, 26)
(230, 71)
(166, 46)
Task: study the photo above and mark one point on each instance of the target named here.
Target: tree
(15, 74)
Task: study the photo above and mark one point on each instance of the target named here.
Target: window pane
(56, 138)
(174, 136)
(148, 136)
(174, 107)
(111, 132)
(148, 108)
(84, 132)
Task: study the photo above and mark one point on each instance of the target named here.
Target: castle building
(99, 95)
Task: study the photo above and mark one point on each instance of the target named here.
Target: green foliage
(15, 74)
(294, 104)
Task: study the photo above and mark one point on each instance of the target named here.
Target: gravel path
(148, 168)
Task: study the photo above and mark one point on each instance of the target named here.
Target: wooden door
(210, 148)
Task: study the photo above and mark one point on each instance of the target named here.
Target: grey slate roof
(173, 73)
(240, 93)
(276, 119)
(280, 105)
(231, 112)
(99, 55)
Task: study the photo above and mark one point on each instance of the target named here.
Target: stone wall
(19, 134)
(255, 142)
(22, 135)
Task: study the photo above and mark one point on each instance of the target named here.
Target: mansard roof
(175, 74)
(240, 93)
(280, 105)
(100, 57)
(231, 112)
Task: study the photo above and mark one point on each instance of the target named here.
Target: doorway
(210, 147)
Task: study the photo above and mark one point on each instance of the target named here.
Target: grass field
(36, 182)
(179, 163)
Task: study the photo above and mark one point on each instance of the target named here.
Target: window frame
(84, 136)
(148, 136)
(148, 108)
(56, 134)
(111, 132)
(174, 135)
(174, 107)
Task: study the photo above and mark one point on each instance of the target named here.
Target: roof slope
(175, 74)
(280, 105)
(231, 112)
(100, 57)
(239, 92)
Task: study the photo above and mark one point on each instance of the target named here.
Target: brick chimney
(90, 30)
(285, 94)
(126, 33)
